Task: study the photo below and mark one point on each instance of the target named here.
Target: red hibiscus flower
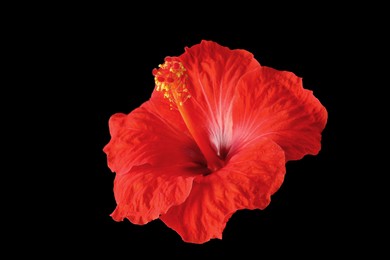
(213, 138)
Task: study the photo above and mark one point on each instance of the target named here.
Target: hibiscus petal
(146, 192)
(151, 134)
(155, 160)
(246, 182)
(213, 73)
(274, 103)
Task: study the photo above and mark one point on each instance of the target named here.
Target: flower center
(171, 78)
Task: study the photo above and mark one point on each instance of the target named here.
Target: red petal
(147, 192)
(214, 71)
(155, 160)
(151, 134)
(246, 182)
(274, 103)
(213, 74)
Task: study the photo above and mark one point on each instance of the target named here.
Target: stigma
(171, 79)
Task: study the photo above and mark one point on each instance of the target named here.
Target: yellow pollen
(171, 78)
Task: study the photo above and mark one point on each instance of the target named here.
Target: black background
(90, 62)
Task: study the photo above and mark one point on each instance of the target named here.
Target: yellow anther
(171, 77)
